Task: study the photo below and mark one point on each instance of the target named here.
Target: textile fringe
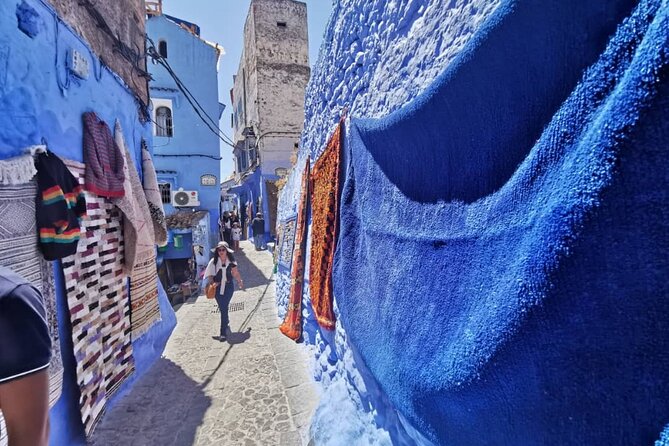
(17, 170)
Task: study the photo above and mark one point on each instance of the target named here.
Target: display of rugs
(20, 252)
(287, 243)
(140, 250)
(97, 298)
(292, 323)
(324, 221)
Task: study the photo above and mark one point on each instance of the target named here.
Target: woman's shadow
(239, 337)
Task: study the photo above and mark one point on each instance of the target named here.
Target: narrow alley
(254, 389)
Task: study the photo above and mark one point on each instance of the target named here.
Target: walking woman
(221, 270)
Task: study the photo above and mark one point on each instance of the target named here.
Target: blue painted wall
(39, 100)
(195, 63)
(376, 56)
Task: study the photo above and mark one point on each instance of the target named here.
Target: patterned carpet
(145, 311)
(99, 306)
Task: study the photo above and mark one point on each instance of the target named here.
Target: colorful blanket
(97, 297)
(502, 264)
(292, 323)
(140, 249)
(324, 221)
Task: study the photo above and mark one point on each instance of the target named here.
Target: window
(165, 192)
(162, 49)
(281, 24)
(164, 122)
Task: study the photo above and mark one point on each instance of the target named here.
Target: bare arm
(238, 277)
(25, 404)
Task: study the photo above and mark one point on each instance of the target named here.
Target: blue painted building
(187, 150)
(42, 100)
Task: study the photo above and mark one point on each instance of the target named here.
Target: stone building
(268, 101)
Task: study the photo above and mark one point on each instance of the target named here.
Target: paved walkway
(254, 389)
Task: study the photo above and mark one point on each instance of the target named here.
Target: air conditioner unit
(185, 198)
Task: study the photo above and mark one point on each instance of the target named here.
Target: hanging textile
(502, 266)
(140, 257)
(279, 242)
(99, 309)
(292, 323)
(20, 252)
(324, 221)
(137, 225)
(287, 243)
(103, 158)
(153, 197)
(60, 207)
(17, 170)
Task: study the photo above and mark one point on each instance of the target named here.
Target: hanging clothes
(324, 222)
(292, 323)
(103, 159)
(60, 207)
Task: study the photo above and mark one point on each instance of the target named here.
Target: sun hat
(223, 245)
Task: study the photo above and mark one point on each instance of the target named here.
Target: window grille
(164, 122)
(165, 192)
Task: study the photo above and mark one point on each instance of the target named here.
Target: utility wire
(195, 104)
(214, 129)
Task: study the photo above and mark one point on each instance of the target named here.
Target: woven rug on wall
(287, 243)
(145, 310)
(19, 251)
(140, 246)
(324, 220)
(292, 322)
(99, 306)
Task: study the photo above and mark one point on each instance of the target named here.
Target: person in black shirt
(25, 353)
(221, 270)
(258, 226)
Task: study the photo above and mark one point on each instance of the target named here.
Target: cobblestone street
(255, 389)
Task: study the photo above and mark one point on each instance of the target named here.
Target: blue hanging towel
(503, 260)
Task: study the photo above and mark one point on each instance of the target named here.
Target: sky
(222, 21)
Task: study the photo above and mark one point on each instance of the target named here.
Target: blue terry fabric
(502, 263)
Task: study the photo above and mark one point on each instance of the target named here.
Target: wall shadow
(253, 277)
(165, 407)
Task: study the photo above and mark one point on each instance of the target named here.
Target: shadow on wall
(177, 405)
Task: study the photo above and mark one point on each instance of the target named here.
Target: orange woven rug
(324, 221)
